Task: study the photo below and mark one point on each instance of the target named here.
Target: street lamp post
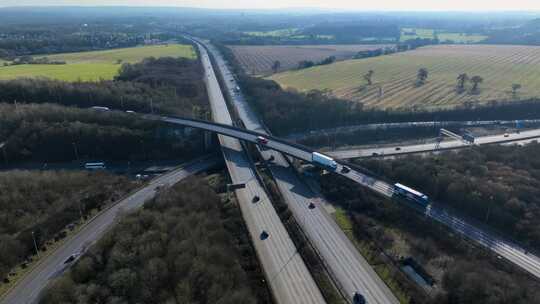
(75, 150)
(35, 243)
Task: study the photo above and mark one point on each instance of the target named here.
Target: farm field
(95, 65)
(258, 60)
(394, 77)
(413, 33)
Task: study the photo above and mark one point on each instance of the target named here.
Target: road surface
(490, 240)
(423, 148)
(287, 275)
(350, 270)
(27, 290)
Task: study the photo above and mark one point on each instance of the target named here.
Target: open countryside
(257, 60)
(394, 77)
(414, 33)
(94, 65)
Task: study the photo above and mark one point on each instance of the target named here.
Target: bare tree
(421, 76)
(276, 66)
(476, 80)
(368, 77)
(515, 88)
(461, 81)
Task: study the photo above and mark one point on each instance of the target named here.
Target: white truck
(324, 161)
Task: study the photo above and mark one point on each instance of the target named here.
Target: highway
(285, 271)
(423, 148)
(28, 289)
(349, 270)
(408, 124)
(499, 245)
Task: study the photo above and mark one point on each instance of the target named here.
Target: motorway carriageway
(423, 148)
(491, 241)
(349, 270)
(286, 274)
(29, 287)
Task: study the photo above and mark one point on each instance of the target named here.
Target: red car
(261, 140)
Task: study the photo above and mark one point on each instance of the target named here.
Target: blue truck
(324, 161)
(411, 194)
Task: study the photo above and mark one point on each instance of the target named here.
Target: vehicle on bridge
(261, 140)
(411, 194)
(324, 161)
(95, 166)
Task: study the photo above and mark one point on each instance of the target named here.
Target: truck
(324, 161)
(411, 194)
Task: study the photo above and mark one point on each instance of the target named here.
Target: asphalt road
(423, 148)
(503, 247)
(27, 291)
(349, 269)
(287, 275)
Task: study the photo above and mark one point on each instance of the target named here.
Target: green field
(443, 36)
(95, 65)
(395, 75)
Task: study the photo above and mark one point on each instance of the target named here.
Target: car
(261, 140)
(345, 170)
(506, 135)
(130, 112)
(72, 258)
(271, 158)
(398, 148)
(374, 154)
(358, 298)
(255, 199)
(264, 235)
(311, 205)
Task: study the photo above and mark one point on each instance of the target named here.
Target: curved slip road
(28, 289)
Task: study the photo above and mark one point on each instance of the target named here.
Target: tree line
(48, 133)
(462, 272)
(178, 249)
(163, 85)
(497, 185)
(40, 204)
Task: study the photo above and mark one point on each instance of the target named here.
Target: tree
(368, 77)
(462, 80)
(421, 76)
(276, 66)
(476, 80)
(515, 88)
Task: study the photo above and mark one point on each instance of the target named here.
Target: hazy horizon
(382, 5)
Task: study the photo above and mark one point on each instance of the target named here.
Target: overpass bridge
(500, 245)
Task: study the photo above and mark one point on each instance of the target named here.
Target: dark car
(398, 148)
(311, 205)
(345, 169)
(256, 198)
(264, 235)
(358, 298)
(374, 154)
(72, 258)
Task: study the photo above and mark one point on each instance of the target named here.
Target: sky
(393, 5)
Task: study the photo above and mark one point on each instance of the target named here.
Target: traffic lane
(346, 265)
(287, 275)
(344, 261)
(421, 148)
(29, 288)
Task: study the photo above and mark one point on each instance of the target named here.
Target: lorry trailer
(324, 161)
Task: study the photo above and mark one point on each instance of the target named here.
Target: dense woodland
(45, 203)
(178, 249)
(462, 273)
(49, 133)
(497, 185)
(42, 120)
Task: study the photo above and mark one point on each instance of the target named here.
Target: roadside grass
(423, 33)
(368, 252)
(94, 65)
